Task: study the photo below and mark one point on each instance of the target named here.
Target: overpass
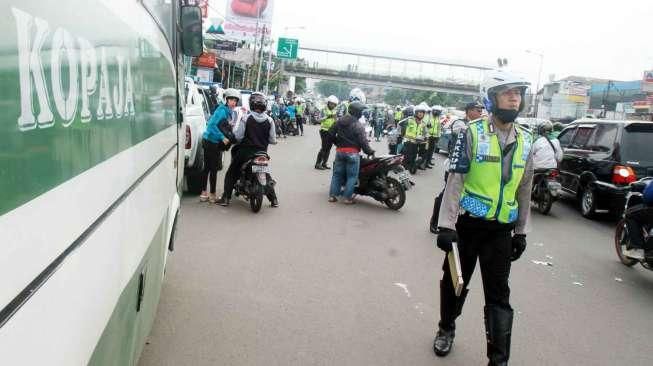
(387, 71)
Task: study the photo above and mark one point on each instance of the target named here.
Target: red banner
(206, 59)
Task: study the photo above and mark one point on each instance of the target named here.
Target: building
(565, 99)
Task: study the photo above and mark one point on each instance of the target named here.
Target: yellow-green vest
(434, 131)
(330, 115)
(398, 116)
(413, 130)
(485, 193)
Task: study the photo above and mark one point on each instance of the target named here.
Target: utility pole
(260, 59)
(269, 67)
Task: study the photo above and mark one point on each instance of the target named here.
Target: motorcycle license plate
(260, 169)
(403, 176)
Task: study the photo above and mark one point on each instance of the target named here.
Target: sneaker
(274, 203)
(333, 199)
(443, 342)
(204, 197)
(324, 166)
(223, 201)
(349, 201)
(213, 199)
(319, 167)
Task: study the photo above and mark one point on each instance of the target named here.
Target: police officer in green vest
(434, 128)
(485, 210)
(414, 135)
(327, 121)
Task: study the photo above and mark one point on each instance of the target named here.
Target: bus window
(161, 10)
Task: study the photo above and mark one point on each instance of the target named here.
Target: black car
(601, 157)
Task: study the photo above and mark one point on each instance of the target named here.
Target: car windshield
(636, 146)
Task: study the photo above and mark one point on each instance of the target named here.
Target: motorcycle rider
(414, 136)
(634, 217)
(348, 134)
(214, 142)
(253, 134)
(327, 121)
(473, 111)
(486, 210)
(434, 133)
(547, 152)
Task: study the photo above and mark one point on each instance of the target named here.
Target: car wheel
(588, 202)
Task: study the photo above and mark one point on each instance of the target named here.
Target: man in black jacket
(348, 134)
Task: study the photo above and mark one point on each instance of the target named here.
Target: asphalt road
(315, 283)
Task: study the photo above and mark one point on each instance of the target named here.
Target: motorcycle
(546, 189)
(384, 179)
(622, 238)
(254, 180)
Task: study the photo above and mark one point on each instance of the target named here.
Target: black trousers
(639, 217)
(491, 243)
(437, 203)
(410, 153)
(300, 124)
(239, 156)
(421, 152)
(392, 149)
(430, 150)
(325, 148)
(212, 163)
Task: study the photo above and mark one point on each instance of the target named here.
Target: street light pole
(539, 76)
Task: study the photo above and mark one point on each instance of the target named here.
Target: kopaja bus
(90, 173)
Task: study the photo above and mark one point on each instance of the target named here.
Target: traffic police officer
(415, 138)
(434, 136)
(328, 120)
(486, 209)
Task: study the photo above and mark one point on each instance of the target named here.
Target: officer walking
(327, 121)
(486, 209)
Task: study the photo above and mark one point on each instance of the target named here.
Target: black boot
(498, 328)
(450, 308)
(443, 342)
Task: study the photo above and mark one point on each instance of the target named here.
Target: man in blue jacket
(214, 142)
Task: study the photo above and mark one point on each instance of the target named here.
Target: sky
(601, 38)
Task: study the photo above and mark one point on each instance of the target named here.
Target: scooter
(255, 180)
(546, 189)
(384, 179)
(628, 255)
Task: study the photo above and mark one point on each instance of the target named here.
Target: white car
(196, 113)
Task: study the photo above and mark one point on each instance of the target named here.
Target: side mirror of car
(191, 28)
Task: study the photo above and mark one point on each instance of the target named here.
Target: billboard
(647, 81)
(245, 19)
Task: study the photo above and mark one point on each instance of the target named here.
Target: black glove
(518, 246)
(445, 238)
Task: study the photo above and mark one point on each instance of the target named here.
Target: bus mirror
(191, 30)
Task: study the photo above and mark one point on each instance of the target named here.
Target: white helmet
(422, 107)
(332, 99)
(231, 93)
(357, 95)
(498, 80)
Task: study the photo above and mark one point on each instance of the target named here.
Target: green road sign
(287, 48)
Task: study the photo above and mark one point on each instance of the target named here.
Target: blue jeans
(345, 173)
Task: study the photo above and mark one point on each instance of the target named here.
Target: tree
(329, 87)
(394, 96)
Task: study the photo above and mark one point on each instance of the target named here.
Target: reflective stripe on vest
(414, 130)
(330, 115)
(485, 193)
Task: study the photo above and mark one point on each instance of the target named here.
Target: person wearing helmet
(379, 121)
(547, 152)
(253, 134)
(300, 116)
(398, 115)
(557, 128)
(291, 110)
(326, 122)
(486, 211)
(434, 128)
(414, 136)
(348, 134)
(215, 140)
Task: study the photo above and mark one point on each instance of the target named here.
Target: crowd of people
(484, 208)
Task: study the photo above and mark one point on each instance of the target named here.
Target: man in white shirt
(547, 152)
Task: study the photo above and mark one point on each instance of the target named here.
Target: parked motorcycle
(384, 179)
(255, 180)
(546, 189)
(628, 255)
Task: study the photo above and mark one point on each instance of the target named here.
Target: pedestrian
(291, 110)
(485, 210)
(328, 119)
(415, 139)
(473, 112)
(300, 116)
(393, 137)
(214, 142)
(379, 122)
(348, 134)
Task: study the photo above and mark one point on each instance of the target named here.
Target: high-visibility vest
(434, 131)
(330, 115)
(415, 132)
(486, 194)
(398, 116)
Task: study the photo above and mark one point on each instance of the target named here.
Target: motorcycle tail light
(261, 160)
(188, 137)
(623, 175)
(554, 173)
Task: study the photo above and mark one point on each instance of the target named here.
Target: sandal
(333, 199)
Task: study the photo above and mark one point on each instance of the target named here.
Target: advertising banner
(206, 59)
(647, 81)
(247, 19)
